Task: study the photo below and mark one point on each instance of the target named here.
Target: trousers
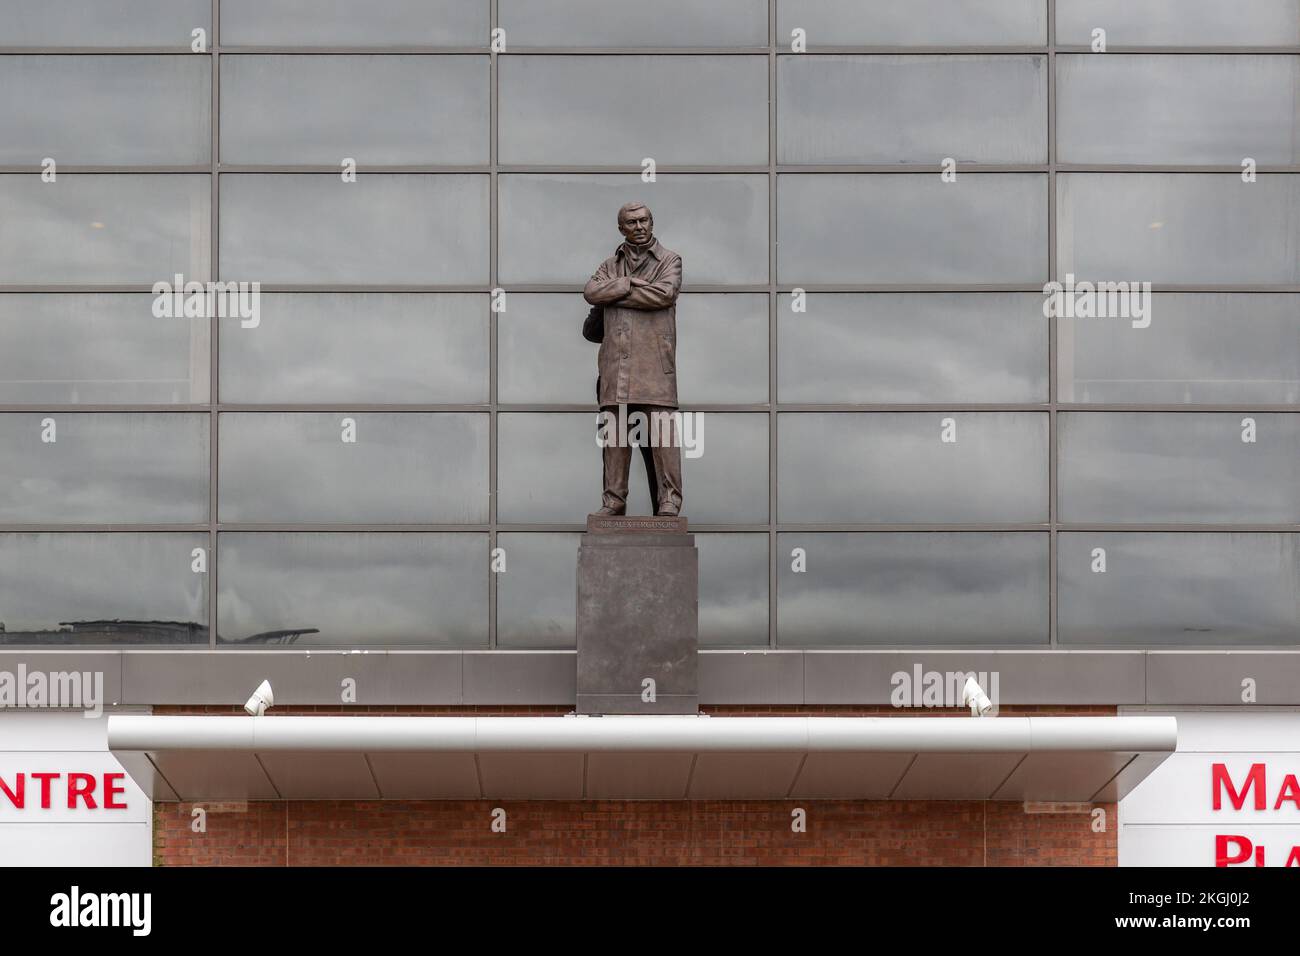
(665, 457)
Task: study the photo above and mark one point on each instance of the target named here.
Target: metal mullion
(1181, 50)
(411, 527)
(697, 169)
(214, 330)
(494, 115)
(754, 408)
(133, 288)
(772, 299)
(1053, 428)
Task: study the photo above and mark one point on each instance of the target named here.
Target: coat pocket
(666, 355)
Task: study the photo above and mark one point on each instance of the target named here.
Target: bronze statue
(636, 290)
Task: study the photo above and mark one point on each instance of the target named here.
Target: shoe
(610, 512)
(668, 510)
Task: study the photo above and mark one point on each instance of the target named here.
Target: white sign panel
(64, 799)
(1230, 795)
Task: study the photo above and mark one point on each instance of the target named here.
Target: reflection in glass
(122, 588)
(563, 226)
(384, 228)
(535, 596)
(359, 347)
(353, 590)
(104, 23)
(935, 589)
(911, 227)
(1180, 22)
(631, 23)
(1197, 228)
(573, 110)
(1180, 110)
(104, 228)
(1200, 347)
(733, 590)
(103, 467)
(550, 472)
(911, 109)
(320, 108)
(721, 351)
(407, 467)
(105, 110)
(1178, 589)
(107, 348)
(915, 23)
(311, 23)
(1146, 467)
(913, 347)
(897, 467)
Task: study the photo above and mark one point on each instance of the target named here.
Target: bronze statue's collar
(626, 248)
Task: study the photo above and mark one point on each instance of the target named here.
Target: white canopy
(1060, 759)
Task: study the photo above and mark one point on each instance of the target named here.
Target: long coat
(638, 357)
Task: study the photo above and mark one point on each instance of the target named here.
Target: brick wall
(839, 832)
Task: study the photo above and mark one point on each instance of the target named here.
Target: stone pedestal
(637, 621)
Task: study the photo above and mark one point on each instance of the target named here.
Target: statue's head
(636, 223)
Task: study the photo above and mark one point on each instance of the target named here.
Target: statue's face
(637, 225)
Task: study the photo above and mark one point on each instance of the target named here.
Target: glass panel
(120, 588)
(320, 109)
(631, 23)
(913, 347)
(103, 23)
(353, 590)
(1197, 590)
(412, 229)
(434, 467)
(1199, 347)
(1143, 467)
(1178, 109)
(104, 110)
(721, 349)
(103, 467)
(344, 23)
(550, 470)
(559, 228)
(535, 594)
(99, 348)
(914, 23)
(897, 467)
(910, 227)
(104, 228)
(1179, 227)
(911, 109)
(938, 589)
(1180, 22)
(733, 590)
(359, 347)
(574, 110)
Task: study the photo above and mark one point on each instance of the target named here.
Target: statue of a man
(637, 289)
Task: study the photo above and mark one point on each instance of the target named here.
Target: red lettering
(110, 791)
(81, 785)
(1290, 791)
(1294, 858)
(1221, 857)
(1221, 780)
(19, 799)
(45, 779)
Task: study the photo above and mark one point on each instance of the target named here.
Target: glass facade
(901, 447)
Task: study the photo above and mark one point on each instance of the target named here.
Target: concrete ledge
(735, 677)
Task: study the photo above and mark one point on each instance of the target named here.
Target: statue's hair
(629, 206)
